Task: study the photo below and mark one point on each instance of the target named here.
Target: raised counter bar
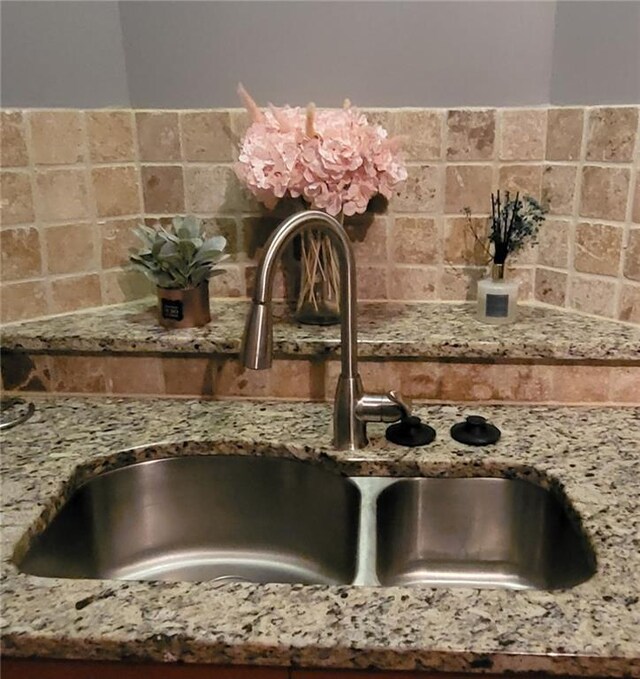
(436, 330)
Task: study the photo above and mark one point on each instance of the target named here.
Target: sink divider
(370, 488)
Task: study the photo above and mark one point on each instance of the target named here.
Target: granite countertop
(400, 330)
(592, 629)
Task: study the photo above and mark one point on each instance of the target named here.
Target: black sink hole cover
(411, 432)
(475, 431)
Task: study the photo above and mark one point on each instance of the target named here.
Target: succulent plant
(179, 256)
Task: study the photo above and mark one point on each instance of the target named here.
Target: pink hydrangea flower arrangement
(334, 159)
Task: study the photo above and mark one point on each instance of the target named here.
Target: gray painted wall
(596, 56)
(62, 54)
(377, 53)
(394, 53)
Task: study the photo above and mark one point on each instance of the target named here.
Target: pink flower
(333, 158)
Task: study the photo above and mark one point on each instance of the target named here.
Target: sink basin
(205, 518)
(479, 532)
(262, 519)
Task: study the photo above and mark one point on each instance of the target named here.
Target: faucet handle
(389, 407)
(404, 404)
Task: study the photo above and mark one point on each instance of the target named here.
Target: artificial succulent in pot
(180, 259)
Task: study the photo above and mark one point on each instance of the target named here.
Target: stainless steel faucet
(352, 408)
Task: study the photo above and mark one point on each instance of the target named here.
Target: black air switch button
(475, 431)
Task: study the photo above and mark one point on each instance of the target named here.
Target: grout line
(37, 214)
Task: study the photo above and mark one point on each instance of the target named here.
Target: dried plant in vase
(332, 160)
(180, 259)
(514, 223)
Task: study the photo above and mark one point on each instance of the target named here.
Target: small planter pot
(188, 308)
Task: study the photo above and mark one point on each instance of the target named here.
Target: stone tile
(223, 226)
(581, 384)
(611, 134)
(26, 372)
(158, 136)
(526, 256)
(214, 189)
(559, 188)
(207, 136)
(189, 376)
(20, 301)
(233, 379)
(523, 179)
(384, 117)
(20, 253)
(372, 282)
(522, 134)
(135, 375)
(163, 189)
(62, 195)
(632, 256)
(604, 192)
(420, 379)
(624, 385)
(415, 240)
(422, 192)
(230, 284)
(117, 238)
(524, 276)
(592, 295)
(71, 248)
(470, 134)
(292, 378)
(110, 136)
(285, 282)
(78, 374)
(551, 286)
(255, 233)
(630, 304)
(239, 122)
(116, 190)
(597, 249)
(368, 234)
(413, 283)
(527, 383)
(461, 282)
(468, 186)
(461, 246)
(16, 201)
(125, 285)
(76, 292)
(635, 215)
(471, 382)
(13, 148)
(553, 243)
(378, 375)
(57, 137)
(423, 132)
(564, 133)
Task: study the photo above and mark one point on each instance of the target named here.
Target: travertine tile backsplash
(74, 183)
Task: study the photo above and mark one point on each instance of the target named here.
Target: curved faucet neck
(281, 237)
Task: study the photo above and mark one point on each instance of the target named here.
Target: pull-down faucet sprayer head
(258, 337)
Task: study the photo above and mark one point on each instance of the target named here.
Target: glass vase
(318, 299)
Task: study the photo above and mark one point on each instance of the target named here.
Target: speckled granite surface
(592, 629)
(421, 330)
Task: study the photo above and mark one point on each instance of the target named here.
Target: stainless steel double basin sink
(261, 519)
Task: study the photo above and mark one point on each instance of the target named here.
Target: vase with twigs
(514, 223)
(333, 160)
